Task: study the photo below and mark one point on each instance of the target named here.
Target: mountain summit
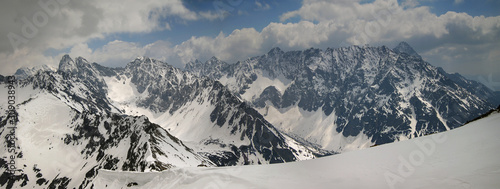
(404, 47)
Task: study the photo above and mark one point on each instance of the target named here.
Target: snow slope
(466, 157)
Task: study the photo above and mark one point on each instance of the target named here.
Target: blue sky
(459, 35)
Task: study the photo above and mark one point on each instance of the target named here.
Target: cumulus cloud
(24, 57)
(113, 54)
(64, 24)
(212, 15)
(240, 44)
(118, 53)
(35, 26)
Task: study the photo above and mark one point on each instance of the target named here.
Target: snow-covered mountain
(84, 118)
(25, 72)
(203, 113)
(148, 116)
(66, 133)
(352, 97)
(466, 157)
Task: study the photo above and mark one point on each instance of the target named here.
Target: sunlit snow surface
(465, 157)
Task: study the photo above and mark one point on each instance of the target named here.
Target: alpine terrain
(352, 97)
(68, 125)
(466, 157)
(148, 116)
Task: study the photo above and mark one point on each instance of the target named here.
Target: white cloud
(34, 28)
(118, 53)
(114, 54)
(24, 57)
(78, 21)
(211, 15)
(240, 44)
(375, 20)
(300, 35)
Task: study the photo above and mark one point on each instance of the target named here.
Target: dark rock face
(270, 94)
(382, 93)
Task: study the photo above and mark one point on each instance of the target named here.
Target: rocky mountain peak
(143, 60)
(67, 64)
(153, 67)
(25, 72)
(404, 47)
(214, 59)
(81, 61)
(275, 51)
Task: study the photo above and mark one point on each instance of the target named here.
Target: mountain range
(352, 97)
(280, 107)
(85, 117)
